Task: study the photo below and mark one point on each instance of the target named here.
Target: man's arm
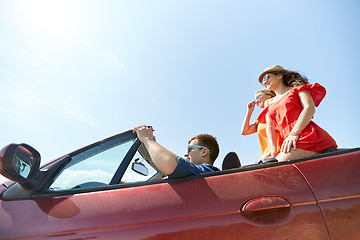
(164, 159)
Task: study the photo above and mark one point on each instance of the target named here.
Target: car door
(335, 182)
(261, 203)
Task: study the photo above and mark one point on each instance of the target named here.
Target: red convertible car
(111, 190)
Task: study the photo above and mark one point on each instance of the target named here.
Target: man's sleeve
(185, 168)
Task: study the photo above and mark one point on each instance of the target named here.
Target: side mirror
(139, 168)
(20, 163)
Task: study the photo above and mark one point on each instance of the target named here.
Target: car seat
(230, 161)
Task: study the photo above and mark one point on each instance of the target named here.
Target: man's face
(195, 155)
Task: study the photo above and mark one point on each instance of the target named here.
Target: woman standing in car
(260, 97)
(290, 112)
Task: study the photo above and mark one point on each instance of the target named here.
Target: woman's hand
(303, 120)
(273, 152)
(288, 143)
(251, 106)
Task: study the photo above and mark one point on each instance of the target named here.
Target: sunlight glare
(57, 20)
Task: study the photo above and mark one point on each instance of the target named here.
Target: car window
(131, 176)
(97, 165)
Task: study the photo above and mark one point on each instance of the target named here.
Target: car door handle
(267, 209)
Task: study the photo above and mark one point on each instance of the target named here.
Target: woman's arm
(246, 128)
(304, 119)
(272, 136)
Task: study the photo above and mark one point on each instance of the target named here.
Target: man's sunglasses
(190, 147)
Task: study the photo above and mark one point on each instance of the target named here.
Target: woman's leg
(298, 153)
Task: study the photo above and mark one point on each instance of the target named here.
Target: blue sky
(73, 72)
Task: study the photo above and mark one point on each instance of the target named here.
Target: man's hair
(210, 142)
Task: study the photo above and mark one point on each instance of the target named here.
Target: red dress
(285, 113)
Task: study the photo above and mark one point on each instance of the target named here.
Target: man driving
(203, 149)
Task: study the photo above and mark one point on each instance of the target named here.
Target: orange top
(264, 141)
(285, 113)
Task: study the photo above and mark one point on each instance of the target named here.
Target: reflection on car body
(111, 190)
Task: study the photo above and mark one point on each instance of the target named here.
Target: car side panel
(201, 208)
(335, 181)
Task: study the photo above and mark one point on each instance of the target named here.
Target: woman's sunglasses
(265, 79)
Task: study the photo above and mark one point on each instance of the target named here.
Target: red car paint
(313, 198)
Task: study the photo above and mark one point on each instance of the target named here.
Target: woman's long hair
(293, 79)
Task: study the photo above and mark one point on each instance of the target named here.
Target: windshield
(96, 164)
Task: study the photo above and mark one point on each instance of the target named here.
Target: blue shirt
(185, 168)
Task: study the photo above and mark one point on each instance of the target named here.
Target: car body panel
(315, 197)
(336, 186)
(180, 208)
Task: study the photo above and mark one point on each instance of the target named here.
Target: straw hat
(275, 68)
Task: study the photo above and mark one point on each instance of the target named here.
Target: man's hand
(165, 160)
(144, 132)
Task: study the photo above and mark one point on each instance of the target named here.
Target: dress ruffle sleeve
(262, 116)
(317, 92)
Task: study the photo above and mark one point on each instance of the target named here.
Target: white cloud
(71, 178)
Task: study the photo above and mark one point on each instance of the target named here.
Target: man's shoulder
(186, 168)
(210, 167)
(204, 167)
